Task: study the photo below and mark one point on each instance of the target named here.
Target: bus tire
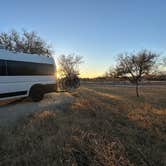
(36, 93)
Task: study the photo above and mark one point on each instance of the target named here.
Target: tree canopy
(134, 66)
(25, 42)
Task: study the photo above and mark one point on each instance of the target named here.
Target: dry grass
(103, 126)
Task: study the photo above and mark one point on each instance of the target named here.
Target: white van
(23, 75)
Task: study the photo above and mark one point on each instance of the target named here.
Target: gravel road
(12, 111)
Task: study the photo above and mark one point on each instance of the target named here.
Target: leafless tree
(69, 71)
(111, 73)
(26, 42)
(135, 66)
(69, 65)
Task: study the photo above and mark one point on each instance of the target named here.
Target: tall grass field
(105, 125)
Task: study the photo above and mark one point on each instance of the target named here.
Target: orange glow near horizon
(90, 74)
(92, 71)
(85, 73)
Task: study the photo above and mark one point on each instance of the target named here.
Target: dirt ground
(11, 111)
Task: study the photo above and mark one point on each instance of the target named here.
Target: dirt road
(10, 112)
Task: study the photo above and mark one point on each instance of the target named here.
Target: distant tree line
(25, 42)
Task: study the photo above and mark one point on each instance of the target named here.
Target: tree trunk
(137, 90)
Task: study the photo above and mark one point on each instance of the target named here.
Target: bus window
(2, 68)
(18, 68)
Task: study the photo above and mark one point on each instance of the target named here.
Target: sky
(98, 30)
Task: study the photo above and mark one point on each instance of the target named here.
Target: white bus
(23, 75)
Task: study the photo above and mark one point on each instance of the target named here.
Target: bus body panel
(20, 83)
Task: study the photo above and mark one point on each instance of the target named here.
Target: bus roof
(9, 55)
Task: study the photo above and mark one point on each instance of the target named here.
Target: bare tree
(26, 42)
(111, 73)
(69, 65)
(135, 66)
(69, 71)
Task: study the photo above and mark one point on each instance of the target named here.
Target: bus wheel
(36, 93)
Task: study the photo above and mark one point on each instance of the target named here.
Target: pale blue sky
(95, 29)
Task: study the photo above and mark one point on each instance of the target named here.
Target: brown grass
(104, 126)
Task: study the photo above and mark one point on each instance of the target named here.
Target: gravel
(12, 111)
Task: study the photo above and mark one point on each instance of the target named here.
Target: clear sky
(98, 30)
